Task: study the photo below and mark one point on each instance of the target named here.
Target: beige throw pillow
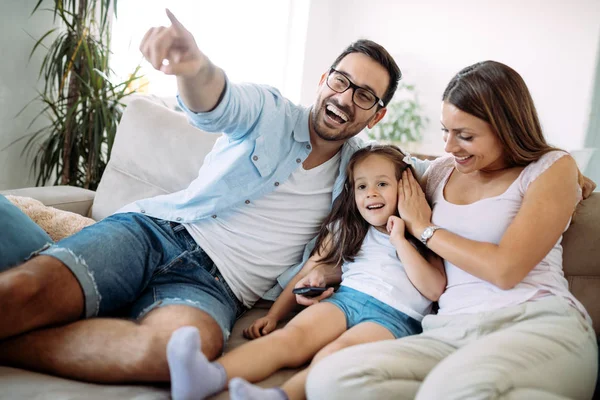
(57, 223)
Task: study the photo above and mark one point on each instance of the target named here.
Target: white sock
(193, 377)
(240, 389)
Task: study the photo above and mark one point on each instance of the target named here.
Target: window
(250, 40)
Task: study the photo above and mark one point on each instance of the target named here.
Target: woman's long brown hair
(498, 95)
(345, 224)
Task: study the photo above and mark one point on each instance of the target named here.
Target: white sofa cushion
(156, 151)
(68, 198)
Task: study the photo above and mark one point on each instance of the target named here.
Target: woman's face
(376, 190)
(471, 141)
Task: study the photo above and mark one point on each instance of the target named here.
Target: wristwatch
(428, 233)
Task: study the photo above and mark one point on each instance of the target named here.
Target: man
(205, 254)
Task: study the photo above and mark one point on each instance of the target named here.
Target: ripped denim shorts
(129, 264)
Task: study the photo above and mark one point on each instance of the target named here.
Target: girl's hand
(395, 227)
(315, 278)
(261, 327)
(412, 205)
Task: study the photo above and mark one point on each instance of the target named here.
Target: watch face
(428, 231)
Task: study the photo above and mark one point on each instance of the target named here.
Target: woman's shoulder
(437, 171)
(538, 167)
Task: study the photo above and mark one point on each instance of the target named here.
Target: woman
(507, 324)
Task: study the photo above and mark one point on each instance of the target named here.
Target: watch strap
(428, 233)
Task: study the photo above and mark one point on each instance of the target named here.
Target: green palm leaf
(81, 104)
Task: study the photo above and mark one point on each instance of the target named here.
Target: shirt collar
(301, 132)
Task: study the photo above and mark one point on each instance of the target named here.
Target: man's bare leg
(111, 350)
(41, 292)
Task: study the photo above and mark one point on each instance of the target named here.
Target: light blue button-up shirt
(265, 138)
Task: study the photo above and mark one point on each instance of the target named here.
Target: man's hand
(177, 46)
(315, 278)
(261, 327)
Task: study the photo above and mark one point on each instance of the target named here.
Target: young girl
(387, 287)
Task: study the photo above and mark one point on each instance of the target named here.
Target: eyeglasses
(363, 98)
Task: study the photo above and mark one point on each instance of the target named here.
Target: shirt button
(255, 158)
(298, 160)
(143, 211)
(214, 216)
(247, 202)
(178, 219)
(308, 146)
(276, 183)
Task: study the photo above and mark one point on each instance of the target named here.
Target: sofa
(155, 152)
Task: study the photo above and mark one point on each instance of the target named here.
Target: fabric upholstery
(68, 198)
(581, 256)
(156, 151)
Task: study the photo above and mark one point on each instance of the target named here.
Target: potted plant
(80, 101)
(404, 121)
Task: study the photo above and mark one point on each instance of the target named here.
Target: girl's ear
(377, 117)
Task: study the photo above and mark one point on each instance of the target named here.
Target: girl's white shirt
(486, 221)
(378, 272)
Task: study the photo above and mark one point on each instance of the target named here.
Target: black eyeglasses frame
(354, 87)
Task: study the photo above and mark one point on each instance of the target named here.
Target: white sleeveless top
(486, 220)
(378, 272)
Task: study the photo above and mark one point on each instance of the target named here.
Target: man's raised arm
(174, 51)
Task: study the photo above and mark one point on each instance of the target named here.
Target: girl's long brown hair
(345, 224)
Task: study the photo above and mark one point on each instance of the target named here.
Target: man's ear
(322, 80)
(377, 117)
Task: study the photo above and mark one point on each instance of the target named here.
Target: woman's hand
(315, 278)
(412, 205)
(587, 186)
(395, 227)
(261, 327)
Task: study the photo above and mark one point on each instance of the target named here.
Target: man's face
(335, 117)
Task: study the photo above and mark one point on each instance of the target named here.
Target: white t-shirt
(486, 220)
(253, 244)
(378, 272)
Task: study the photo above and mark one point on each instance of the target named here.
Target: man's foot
(193, 377)
(240, 389)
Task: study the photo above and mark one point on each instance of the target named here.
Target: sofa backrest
(156, 151)
(581, 256)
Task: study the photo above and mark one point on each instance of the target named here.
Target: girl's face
(471, 141)
(376, 190)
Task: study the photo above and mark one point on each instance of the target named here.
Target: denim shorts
(360, 307)
(129, 264)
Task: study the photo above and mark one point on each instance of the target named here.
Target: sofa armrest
(68, 198)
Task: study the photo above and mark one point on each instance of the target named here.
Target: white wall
(551, 43)
(18, 79)
(323, 44)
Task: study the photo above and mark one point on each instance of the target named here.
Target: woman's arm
(428, 276)
(546, 209)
